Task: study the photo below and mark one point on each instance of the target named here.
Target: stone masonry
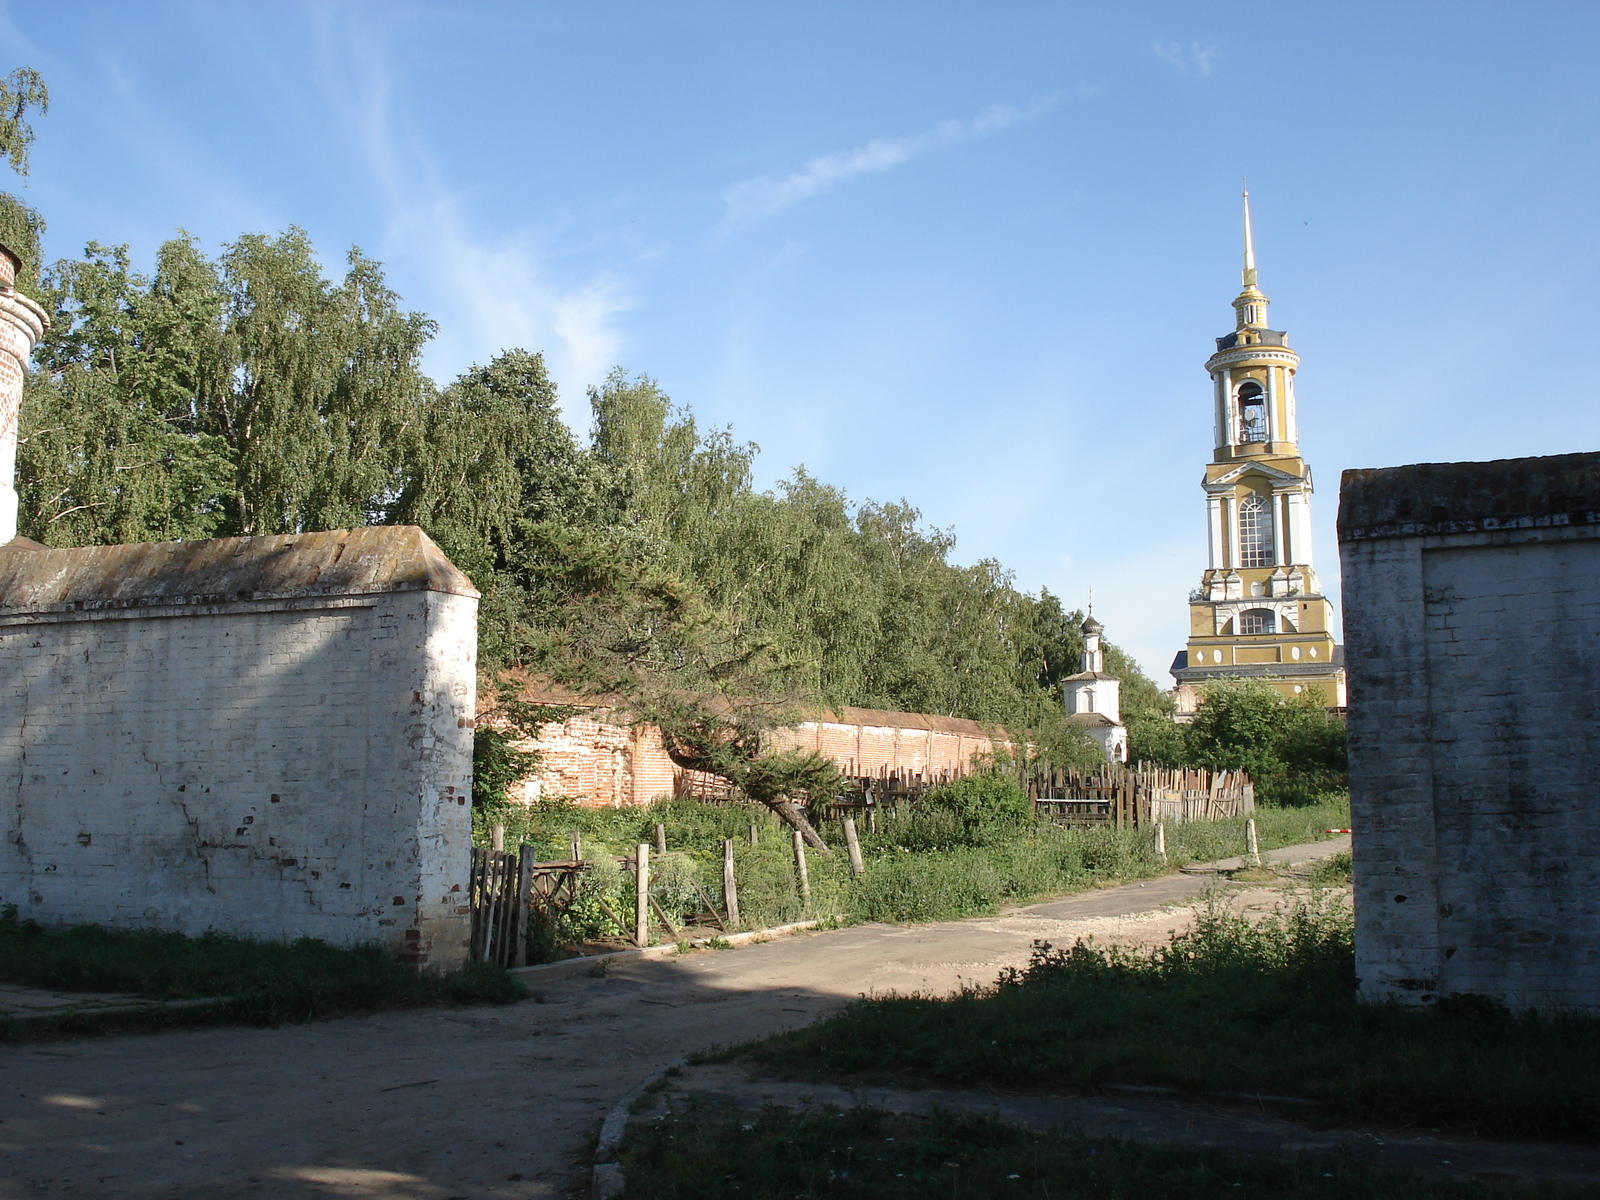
(265, 736)
(1472, 625)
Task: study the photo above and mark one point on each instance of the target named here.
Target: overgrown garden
(963, 849)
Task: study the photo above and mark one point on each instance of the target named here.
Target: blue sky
(972, 255)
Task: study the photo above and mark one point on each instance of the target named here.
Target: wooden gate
(509, 892)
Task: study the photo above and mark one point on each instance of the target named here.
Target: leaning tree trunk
(789, 812)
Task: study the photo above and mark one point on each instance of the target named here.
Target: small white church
(1094, 700)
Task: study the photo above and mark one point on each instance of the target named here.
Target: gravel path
(485, 1102)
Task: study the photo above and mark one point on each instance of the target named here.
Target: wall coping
(1428, 499)
(166, 575)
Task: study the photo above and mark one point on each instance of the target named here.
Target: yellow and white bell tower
(1259, 609)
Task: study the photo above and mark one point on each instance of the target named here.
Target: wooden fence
(510, 892)
(1139, 796)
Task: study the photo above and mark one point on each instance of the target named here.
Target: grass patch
(780, 1155)
(925, 862)
(265, 983)
(1230, 1006)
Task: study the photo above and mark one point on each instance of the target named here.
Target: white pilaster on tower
(22, 324)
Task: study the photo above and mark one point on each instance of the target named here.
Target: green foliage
(498, 761)
(264, 982)
(21, 90)
(985, 805)
(1293, 749)
(1240, 724)
(20, 225)
(968, 852)
(20, 230)
(247, 395)
(251, 393)
(822, 1153)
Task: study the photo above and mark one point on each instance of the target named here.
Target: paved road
(467, 1103)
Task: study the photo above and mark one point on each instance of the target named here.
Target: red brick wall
(602, 764)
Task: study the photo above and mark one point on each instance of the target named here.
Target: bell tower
(1259, 609)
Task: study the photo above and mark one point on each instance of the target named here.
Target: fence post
(730, 886)
(1252, 848)
(755, 834)
(801, 878)
(641, 895)
(854, 846)
(661, 838)
(497, 839)
(577, 846)
(1161, 841)
(519, 927)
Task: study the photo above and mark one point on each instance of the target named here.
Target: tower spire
(1249, 244)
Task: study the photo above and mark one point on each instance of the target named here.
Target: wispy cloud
(755, 198)
(1194, 58)
(504, 289)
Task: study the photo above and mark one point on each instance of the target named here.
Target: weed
(263, 982)
(826, 1154)
(1231, 1005)
(718, 943)
(1334, 871)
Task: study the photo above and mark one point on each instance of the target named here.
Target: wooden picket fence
(1139, 796)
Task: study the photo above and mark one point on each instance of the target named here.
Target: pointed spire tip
(1249, 244)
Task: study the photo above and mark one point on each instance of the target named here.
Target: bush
(984, 806)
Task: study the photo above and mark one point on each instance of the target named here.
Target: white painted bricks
(22, 324)
(276, 767)
(1472, 623)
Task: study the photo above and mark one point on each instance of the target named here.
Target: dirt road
(470, 1103)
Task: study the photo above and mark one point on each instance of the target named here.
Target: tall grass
(1231, 1006)
(925, 863)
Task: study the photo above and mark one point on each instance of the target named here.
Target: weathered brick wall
(294, 764)
(1472, 626)
(596, 761)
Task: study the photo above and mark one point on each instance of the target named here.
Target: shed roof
(338, 562)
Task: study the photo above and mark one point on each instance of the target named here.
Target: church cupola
(1093, 660)
(1094, 699)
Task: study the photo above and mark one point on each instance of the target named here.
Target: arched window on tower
(1255, 531)
(1257, 620)
(1252, 413)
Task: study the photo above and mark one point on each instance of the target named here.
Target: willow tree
(20, 225)
(242, 395)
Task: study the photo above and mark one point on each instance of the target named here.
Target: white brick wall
(1474, 718)
(277, 768)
